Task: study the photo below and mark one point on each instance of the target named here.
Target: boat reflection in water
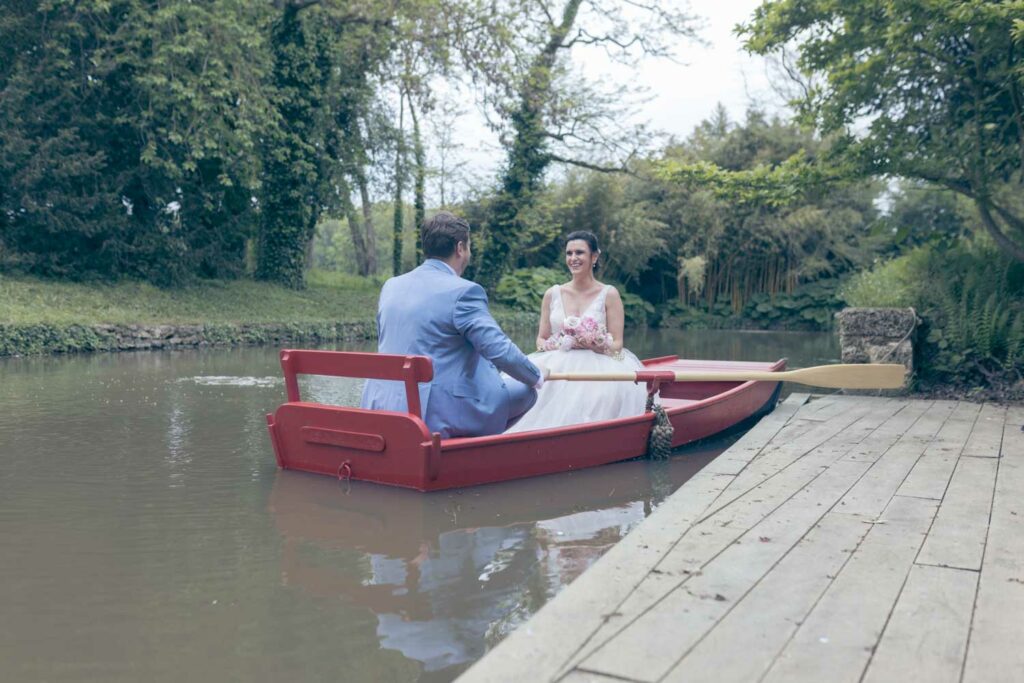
(449, 574)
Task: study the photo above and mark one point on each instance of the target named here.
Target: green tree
(293, 167)
(550, 114)
(928, 90)
(129, 132)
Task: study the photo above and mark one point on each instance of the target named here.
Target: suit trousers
(521, 399)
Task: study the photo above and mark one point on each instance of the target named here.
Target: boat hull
(397, 449)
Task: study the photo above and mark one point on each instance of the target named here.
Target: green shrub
(523, 289)
(974, 314)
(969, 298)
(810, 307)
(678, 314)
(890, 284)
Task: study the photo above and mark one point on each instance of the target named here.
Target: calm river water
(146, 534)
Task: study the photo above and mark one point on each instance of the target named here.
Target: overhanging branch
(591, 166)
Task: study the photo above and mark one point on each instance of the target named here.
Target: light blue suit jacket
(432, 312)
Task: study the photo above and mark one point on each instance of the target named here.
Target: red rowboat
(396, 448)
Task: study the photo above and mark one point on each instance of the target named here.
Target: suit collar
(439, 265)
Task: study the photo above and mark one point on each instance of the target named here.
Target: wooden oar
(838, 376)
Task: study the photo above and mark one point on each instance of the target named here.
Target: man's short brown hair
(440, 234)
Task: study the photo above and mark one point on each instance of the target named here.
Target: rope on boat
(659, 443)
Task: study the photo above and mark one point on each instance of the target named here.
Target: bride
(569, 306)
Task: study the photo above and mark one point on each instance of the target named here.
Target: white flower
(173, 208)
(571, 321)
(128, 205)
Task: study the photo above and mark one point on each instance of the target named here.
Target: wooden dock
(841, 539)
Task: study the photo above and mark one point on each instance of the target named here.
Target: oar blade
(852, 376)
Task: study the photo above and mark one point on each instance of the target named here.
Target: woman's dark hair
(442, 233)
(588, 237)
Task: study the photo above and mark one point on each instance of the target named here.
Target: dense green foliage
(301, 76)
(808, 307)
(523, 289)
(162, 140)
(128, 130)
(168, 139)
(752, 261)
(940, 83)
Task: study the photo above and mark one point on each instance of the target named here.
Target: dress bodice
(596, 308)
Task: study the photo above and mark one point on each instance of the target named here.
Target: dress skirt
(561, 403)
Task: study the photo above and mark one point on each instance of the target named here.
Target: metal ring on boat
(345, 471)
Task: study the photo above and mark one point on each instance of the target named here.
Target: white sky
(680, 95)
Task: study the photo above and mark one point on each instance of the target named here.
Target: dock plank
(739, 455)
(732, 517)
(835, 642)
(926, 637)
(1015, 415)
(995, 651)
(930, 475)
(762, 623)
(580, 676)
(889, 433)
(957, 538)
(749, 499)
(987, 434)
(783, 451)
(655, 640)
(875, 490)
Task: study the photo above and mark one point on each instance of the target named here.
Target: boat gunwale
(468, 442)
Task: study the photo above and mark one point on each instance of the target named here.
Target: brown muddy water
(147, 535)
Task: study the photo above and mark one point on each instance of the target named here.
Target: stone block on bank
(878, 335)
(880, 323)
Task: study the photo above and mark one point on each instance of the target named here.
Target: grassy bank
(47, 316)
(329, 297)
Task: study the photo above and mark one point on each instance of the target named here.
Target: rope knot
(659, 443)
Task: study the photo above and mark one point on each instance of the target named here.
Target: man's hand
(544, 373)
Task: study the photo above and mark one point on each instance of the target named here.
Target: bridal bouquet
(580, 333)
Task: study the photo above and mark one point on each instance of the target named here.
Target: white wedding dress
(562, 403)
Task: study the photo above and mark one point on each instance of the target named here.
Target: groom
(431, 311)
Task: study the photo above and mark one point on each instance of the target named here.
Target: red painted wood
(336, 437)
(408, 369)
(407, 455)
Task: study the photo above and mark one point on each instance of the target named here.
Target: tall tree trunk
(399, 222)
(421, 180)
(311, 231)
(369, 234)
(998, 236)
(355, 226)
